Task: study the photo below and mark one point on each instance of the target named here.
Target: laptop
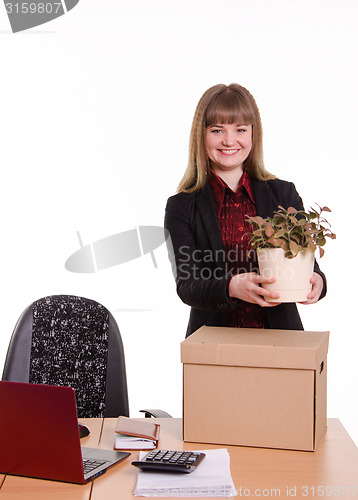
(39, 435)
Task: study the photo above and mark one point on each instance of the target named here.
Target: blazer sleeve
(200, 282)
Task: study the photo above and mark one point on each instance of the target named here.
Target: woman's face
(228, 145)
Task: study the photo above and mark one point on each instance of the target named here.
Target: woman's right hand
(246, 286)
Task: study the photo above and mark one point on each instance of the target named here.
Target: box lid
(255, 347)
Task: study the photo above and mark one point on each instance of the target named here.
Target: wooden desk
(256, 472)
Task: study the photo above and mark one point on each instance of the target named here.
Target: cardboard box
(253, 387)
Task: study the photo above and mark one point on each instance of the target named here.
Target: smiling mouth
(228, 152)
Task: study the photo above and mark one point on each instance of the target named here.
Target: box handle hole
(321, 367)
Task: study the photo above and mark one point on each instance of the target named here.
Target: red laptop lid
(39, 432)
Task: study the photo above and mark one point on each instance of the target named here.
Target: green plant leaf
(321, 241)
(281, 232)
(257, 220)
(289, 255)
(269, 230)
(311, 247)
(275, 242)
(294, 248)
(292, 210)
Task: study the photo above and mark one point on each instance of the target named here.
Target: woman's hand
(246, 286)
(317, 287)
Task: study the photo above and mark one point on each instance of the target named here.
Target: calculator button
(173, 461)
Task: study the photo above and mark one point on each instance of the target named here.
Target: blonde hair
(223, 104)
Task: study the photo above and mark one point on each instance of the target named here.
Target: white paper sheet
(212, 478)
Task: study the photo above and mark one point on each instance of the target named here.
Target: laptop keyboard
(90, 465)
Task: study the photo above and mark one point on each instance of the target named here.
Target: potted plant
(285, 245)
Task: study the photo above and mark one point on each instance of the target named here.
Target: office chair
(72, 341)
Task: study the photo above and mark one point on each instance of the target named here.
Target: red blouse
(232, 209)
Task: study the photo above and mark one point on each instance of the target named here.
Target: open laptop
(39, 435)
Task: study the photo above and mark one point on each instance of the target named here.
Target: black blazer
(197, 255)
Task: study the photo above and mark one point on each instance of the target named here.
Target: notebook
(133, 434)
(39, 435)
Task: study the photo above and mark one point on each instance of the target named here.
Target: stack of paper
(212, 478)
(125, 442)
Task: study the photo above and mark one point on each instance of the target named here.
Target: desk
(256, 472)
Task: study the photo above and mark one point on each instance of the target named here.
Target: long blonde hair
(223, 104)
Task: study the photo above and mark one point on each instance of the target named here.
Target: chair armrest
(155, 413)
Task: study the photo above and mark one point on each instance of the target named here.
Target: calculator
(171, 461)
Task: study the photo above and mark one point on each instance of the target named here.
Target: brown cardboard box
(252, 387)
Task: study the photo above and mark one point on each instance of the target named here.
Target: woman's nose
(228, 139)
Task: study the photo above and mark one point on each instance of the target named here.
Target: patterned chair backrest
(69, 347)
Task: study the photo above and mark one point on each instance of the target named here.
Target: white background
(96, 109)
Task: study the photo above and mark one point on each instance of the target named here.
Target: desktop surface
(330, 471)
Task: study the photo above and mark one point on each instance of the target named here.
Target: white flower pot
(292, 275)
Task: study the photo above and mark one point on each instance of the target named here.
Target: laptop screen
(39, 432)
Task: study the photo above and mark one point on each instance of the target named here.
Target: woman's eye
(216, 130)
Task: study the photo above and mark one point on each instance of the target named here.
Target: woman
(225, 182)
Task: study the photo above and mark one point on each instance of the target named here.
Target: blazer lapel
(208, 215)
(263, 198)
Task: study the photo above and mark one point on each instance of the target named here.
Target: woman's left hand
(317, 287)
